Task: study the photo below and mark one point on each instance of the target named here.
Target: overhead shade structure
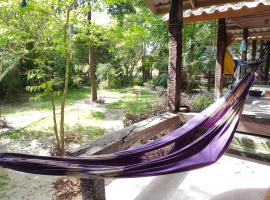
(201, 10)
(237, 14)
(254, 15)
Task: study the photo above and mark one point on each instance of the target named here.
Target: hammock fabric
(200, 142)
(242, 63)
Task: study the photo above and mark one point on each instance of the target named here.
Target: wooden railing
(248, 124)
(120, 140)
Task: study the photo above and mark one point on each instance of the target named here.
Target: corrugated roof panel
(226, 7)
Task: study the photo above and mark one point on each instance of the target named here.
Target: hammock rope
(181, 150)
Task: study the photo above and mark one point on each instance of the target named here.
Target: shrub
(201, 102)
(10, 85)
(162, 80)
(138, 81)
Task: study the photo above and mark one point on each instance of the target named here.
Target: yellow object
(228, 64)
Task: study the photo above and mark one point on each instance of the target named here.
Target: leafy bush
(162, 80)
(10, 85)
(138, 81)
(201, 102)
(116, 83)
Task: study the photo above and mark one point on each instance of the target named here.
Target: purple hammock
(198, 143)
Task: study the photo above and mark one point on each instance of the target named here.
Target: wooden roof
(199, 10)
(258, 25)
(161, 7)
(252, 14)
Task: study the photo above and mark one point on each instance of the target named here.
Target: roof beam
(256, 34)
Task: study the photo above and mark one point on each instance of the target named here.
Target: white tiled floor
(230, 178)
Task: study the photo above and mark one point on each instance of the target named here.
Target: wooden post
(254, 50)
(221, 48)
(175, 55)
(244, 53)
(93, 189)
(245, 37)
(267, 66)
(261, 54)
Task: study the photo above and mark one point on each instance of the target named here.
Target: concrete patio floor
(258, 106)
(231, 178)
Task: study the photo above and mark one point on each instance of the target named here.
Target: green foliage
(161, 80)
(120, 9)
(98, 115)
(199, 55)
(130, 104)
(10, 85)
(91, 132)
(201, 102)
(138, 81)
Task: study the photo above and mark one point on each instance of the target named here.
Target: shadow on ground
(242, 194)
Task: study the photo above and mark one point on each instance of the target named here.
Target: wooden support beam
(243, 71)
(221, 48)
(267, 66)
(254, 49)
(261, 53)
(93, 189)
(245, 38)
(175, 55)
(255, 34)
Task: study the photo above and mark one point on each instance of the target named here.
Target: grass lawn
(85, 124)
(82, 123)
(4, 178)
(131, 104)
(24, 106)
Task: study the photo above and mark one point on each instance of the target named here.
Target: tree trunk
(55, 123)
(191, 52)
(92, 76)
(209, 80)
(67, 75)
